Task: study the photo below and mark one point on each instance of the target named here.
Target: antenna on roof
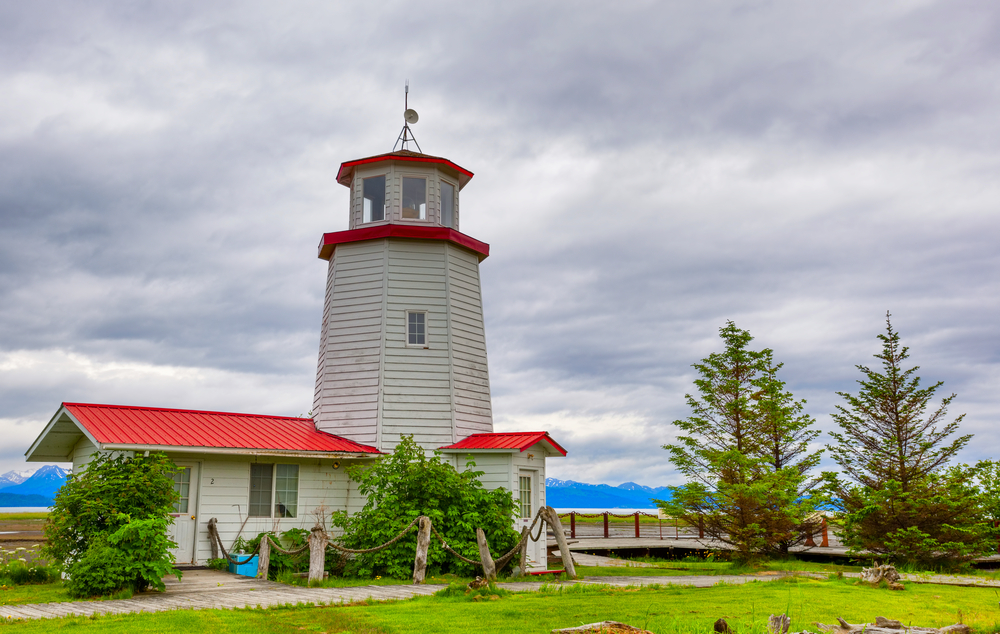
(409, 116)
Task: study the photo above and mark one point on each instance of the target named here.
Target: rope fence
(319, 543)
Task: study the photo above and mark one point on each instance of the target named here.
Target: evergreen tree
(901, 498)
(744, 451)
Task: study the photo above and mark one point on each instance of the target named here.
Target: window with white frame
(274, 490)
(525, 482)
(447, 204)
(414, 198)
(373, 195)
(416, 328)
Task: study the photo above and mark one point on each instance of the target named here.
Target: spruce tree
(901, 497)
(744, 451)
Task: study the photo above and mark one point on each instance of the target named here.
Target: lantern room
(404, 187)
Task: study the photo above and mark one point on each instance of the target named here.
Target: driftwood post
(213, 530)
(317, 553)
(423, 542)
(826, 536)
(264, 562)
(489, 568)
(522, 553)
(557, 530)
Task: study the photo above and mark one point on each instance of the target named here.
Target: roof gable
(520, 441)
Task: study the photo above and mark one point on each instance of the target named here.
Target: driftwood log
(604, 627)
(552, 518)
(778, 623)
(877, 574)
(883, 625)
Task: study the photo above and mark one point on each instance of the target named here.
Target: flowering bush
(17, 569)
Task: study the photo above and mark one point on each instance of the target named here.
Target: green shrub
(108, 524)
(218, 564)
(102, 570)
(407, 484)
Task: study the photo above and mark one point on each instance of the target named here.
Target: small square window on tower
(416, 328)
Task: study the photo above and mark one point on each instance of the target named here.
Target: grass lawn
(662, 610)
(34, 593)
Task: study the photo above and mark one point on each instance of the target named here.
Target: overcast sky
(645, 171)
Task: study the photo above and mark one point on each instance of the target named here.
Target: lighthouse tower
(402, 346)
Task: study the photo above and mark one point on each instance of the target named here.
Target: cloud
(644, 172)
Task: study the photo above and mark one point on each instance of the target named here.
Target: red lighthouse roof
(136, 428)
(521, 441)
(346, 173)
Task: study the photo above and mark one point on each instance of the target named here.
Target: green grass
(34, 593)
(667, 610)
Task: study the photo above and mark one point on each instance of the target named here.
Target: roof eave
(239, 451)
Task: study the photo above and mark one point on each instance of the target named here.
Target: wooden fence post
(423, 543)
(264, 561)
(557, 529)
(605, 524)
(701, 527)
(572, 524)
(489, 568)
(213, 530)
(317, 553)
(826, 537)
(637, 524)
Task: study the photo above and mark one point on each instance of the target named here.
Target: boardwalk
(209, 589)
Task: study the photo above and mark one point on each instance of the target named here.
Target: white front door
(183, 531)
(528, 497)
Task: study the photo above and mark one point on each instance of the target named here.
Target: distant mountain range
(567, 494)
(31, 488)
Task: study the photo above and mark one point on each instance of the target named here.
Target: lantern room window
(447, 204)
(414, 198)
(374, 197)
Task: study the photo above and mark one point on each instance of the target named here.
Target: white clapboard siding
(470, 370)
(83, 453)
(346, 400)
(224, 493)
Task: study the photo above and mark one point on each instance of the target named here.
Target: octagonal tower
(403, 345)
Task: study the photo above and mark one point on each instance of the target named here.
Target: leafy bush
(218, 564)
(407, 484)
(108, 524)
(102, 570)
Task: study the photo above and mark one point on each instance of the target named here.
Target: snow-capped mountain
(44, 481)
(15, 477)
(571, 494)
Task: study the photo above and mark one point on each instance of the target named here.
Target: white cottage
(402, 351)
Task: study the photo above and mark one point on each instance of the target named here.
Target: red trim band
(347, 168)
(417, 232)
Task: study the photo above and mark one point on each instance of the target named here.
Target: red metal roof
(515, 440)
(346, 172)
(417, 232)
(157, 426)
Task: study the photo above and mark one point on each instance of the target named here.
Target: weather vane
(409, 116)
